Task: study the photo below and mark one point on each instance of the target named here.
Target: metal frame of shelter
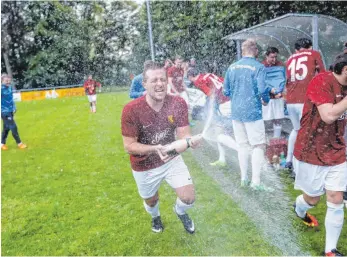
(275, 28)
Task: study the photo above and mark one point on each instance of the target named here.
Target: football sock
(301, 206)
(221, 153)
(243, 155)
(257, 164)
(182, 207)
(333, 225)
(153, 211)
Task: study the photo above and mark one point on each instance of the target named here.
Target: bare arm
(133, 147)
(183, 143)
(183, 132)
(331, 112)
(172, 86)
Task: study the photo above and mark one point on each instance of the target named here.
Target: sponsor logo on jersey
(170, 118)
(159, 136)
(240, 66)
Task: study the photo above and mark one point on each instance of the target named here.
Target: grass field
(72, 193)
(314, 239)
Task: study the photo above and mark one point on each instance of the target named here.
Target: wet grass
(72, 192)
(313, 239)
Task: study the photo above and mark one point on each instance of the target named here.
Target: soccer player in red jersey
(210, 84)
(320, 151)
(90, 89)
(167, 64)
(301, 67)
(175, 77)
(150, 125)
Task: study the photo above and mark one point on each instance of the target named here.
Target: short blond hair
(249, 47)
(151, 66)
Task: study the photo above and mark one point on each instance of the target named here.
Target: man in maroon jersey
(319, 154)
(149, 126)
(90, 89)
(175, 77)
(301, 67)
(210, 84)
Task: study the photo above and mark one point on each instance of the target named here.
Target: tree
(196, 28)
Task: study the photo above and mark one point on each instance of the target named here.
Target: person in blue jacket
(8, 108)
(275, 80)
(245, 84)
(137, 90)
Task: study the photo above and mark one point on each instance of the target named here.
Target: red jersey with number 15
(301, 67)
(211, 84)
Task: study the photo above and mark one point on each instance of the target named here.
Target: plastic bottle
(282, 160)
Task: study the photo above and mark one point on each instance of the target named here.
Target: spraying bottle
(282, 160)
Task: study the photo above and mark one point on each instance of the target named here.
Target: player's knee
(189, 199)
(152, 201)
(334, 197)
(313, 201)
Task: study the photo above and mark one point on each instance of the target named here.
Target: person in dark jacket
(8, 108)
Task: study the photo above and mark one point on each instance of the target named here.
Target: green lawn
(314, 238)
(72, 192)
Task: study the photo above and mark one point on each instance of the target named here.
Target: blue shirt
(245, 84)
(275, 78)
(137, 89)
(7, 103)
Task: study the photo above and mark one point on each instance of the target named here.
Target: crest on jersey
(170, 118)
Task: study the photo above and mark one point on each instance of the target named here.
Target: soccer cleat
(157, 226)
(4, 147)
(245, 183)
(289, 166)
(219, 164)
(186, 221)
(334, 252)
(309, 220)
(22, 146)
(262, 188)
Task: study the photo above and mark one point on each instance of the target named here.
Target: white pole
(150, 29)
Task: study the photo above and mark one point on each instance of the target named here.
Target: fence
(58, 92)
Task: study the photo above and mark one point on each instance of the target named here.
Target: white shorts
(274, 110)
(295, 114)
(314, 179)
(174, 172)
(225, 109)
(249, 132)
(92, 98)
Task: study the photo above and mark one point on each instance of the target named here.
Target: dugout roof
(327, 34)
